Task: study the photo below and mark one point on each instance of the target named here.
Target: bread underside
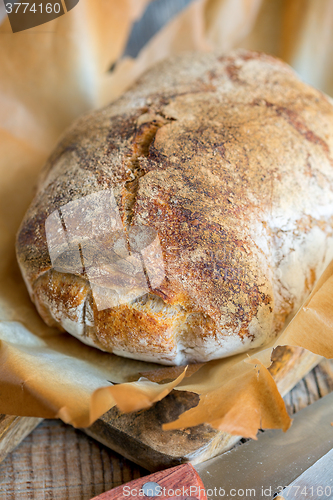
(217, 172)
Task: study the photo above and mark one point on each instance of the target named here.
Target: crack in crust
(143, 139)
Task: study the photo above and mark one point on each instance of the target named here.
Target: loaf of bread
(188, 220)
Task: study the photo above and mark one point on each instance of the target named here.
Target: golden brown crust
(229, 160)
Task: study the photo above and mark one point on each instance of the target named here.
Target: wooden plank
(58, 462)
(317, 384)
(13, 430)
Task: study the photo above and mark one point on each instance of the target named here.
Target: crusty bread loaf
(188, 220)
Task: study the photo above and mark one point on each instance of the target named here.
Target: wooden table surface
(58, 462)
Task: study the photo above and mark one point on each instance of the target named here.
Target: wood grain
(58, 462)
(13, 430)
(317, 384)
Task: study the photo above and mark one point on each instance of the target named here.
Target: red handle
(179, 483)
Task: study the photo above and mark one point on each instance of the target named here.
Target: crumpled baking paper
(48, 76)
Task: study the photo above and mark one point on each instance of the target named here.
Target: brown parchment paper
(53, 73)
